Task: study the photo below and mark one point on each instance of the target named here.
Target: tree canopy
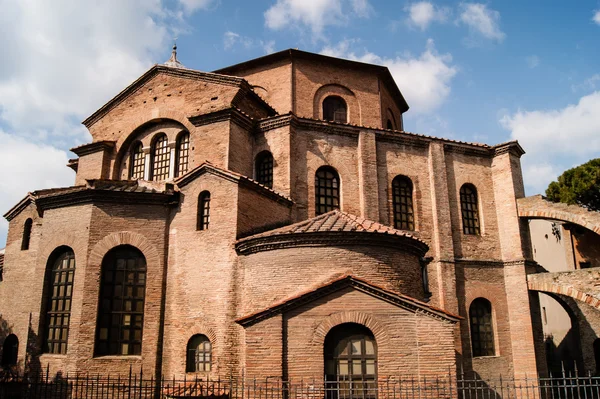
(580, 185)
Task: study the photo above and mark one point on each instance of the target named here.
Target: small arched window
(390, 125)
(482, 328)
(203, 210)
(59, 292)
(26, 234)
(121, 308)
(183, 154)
(469, 209)
(137, 162)
(327, 190)
(198, 354)
(10, 351)
(264, 168)
(403, 203)
(161, 158)
(335, 109)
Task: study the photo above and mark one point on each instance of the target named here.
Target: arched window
(327, 190)
(350, 362)
(469, 209)
(161, 158)
(10, 351)
(264, 168)
(335, 109)
(203, 210)
(59, 292)
(482, 328)
(403, 204)
(121, 306)
(198, 354)
(26, 234)
(390, 125)
(137, 162)
(183, 154)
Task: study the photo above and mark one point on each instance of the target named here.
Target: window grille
(264, 169)
(335, 109)
(327, 190)
(198, 354)
(482, 329)
(121, 310)
(137, 162)
(183, 153)
(403, 203)
(203, 210)
(58, 305)
(26, 234)
(469, 209)
(161, 158)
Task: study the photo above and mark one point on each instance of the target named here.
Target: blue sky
(476, 71)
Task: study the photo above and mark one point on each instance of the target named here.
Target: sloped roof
(207, 167)
(338, 284)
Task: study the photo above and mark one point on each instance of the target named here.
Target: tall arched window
(183, 154)
(59, 292)
(137, 162)
(161, 158)
(198, 354)
(327, 190)
(482, 328)
(469, 209)
(121, 306)
(203, 210)
(26, 234)
(403, 203)
(335, 109)
(264, 168)
(10, 351)
(350, 362)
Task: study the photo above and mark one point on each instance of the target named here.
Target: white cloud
(232, 39)
(589, 84)
(423, 80)
(38, 165)
(191, 6)
(481, 21)
(61, 61)
(556, 139)
(314, 14)
(423, 13)
(533, 61)
(596, 17)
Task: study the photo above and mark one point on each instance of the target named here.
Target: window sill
(486, 357)
(118, 357)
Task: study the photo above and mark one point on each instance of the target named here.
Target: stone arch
(56, 241)
(365, 319)
(537, 207)
(562, 289)
(111, 241)
(334, 89)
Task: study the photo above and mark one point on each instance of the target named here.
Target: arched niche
(354, 115)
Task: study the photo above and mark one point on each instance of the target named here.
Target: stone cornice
(18, 208)
(408, 244)
(91, 148)
(227, 114)
(512, 147)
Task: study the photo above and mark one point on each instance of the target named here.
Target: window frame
(203, 218)
(137, 161)
(488, 336)
(469, 210)
(403, 205)
(58, 300)
(335, 108)
(322, 189)
(263, 168)
(161, 156)
(182, 153)
(26, 238)
(198, 361)
(127, 320)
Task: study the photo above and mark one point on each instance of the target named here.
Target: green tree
(580, 185)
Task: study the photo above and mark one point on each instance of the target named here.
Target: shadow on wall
(10, 343)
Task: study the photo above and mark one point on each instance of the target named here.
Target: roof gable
(343, 282)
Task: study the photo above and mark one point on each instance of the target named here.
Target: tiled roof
(334, 221)
(337, 284)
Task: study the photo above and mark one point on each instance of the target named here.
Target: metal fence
(139, 386)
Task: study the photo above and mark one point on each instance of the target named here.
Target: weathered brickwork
(209, 279)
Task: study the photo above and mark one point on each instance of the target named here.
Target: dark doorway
(350, 362)
(10, 351)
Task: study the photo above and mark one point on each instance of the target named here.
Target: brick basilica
(271, 219)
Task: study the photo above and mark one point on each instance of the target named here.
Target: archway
(10, 351)
(350, 355)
